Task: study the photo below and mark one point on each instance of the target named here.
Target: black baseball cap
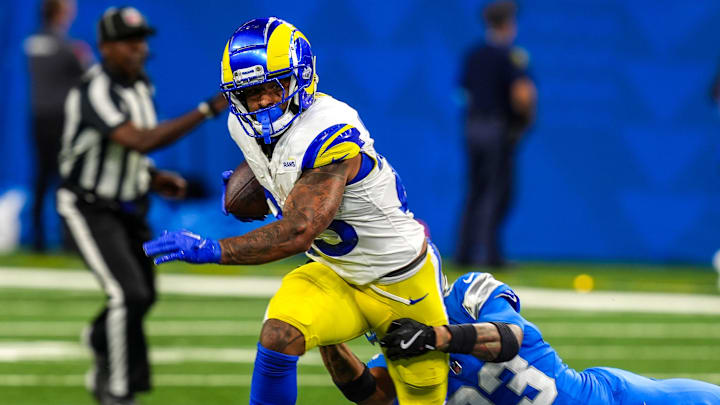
(120, 23)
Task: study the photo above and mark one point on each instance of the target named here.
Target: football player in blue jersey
(337, 201)
(498, 357)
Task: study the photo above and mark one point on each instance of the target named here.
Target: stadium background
(621, 166)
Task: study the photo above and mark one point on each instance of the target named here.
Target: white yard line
(51, 351)
(242, 286)
(164, 380)
(232, 380)
(54, 351)
(551, 329)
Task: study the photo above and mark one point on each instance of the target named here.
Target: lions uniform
(537, 375)
(373, 264)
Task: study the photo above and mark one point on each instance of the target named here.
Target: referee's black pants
(110, 241)
(490, 151)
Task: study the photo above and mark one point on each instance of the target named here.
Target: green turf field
(203, 347)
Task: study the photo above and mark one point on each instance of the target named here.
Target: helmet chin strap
(266, 118)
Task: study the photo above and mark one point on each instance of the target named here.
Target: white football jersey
(373, 232)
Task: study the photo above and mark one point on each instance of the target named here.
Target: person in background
(111, 125)
(501, 105)
(56, 63)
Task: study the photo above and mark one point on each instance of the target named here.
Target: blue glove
(225, 177)
(185, 246)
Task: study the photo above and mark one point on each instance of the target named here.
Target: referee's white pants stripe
(116, 320)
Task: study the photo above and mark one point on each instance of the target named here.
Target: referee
(110, 124)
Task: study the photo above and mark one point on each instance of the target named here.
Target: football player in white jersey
(339, 202)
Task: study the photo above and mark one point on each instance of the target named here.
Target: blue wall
(621, 165)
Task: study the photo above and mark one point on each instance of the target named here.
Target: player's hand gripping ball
(243, 196)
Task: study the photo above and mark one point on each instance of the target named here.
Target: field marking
(232, 380)
(166, 380)
(54, 351)
(153, 328)
(551, 329)
(265, 287)
(634, 352)
(639, 330)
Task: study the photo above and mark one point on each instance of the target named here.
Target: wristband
(462, 338)
(206, 109)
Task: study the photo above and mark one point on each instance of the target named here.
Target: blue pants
(632, 389)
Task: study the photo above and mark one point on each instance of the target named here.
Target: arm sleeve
(337, 143)
(102, 108)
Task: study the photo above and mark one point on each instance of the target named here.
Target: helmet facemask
(271, 121)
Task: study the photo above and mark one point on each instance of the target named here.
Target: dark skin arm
(308, 211)
(146, 140)
(344, 367)
(168, 184)
(487, 346)
(523, 99)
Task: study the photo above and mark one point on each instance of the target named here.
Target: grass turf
(202, 346)
(220, 372)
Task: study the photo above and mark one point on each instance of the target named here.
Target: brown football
(244, 196)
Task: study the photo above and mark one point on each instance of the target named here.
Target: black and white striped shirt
(89, 160)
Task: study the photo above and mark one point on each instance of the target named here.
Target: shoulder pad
(336, 143)
(478, 288)
(519, 57)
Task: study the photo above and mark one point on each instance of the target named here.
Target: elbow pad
(509, 347)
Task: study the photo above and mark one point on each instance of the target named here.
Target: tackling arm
(488, 343)
(348, 373)
(309, 209)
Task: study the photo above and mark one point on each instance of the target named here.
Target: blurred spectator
(56, 63)
(106, 176)
(501, 105)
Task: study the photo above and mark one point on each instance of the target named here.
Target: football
(244, 196)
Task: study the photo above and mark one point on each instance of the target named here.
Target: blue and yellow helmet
(267, 50)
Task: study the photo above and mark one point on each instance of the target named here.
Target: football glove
(225, 177)
(408, 338)
(185, 246)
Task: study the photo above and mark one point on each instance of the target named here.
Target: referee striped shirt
(89, 160)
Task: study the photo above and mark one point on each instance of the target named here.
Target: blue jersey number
(524, 375)
(338, 239)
